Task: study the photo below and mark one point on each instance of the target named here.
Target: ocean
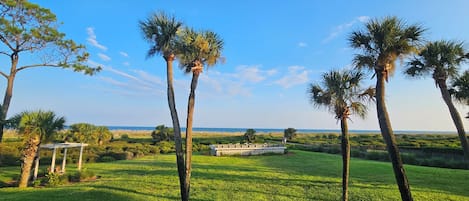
(280, 130)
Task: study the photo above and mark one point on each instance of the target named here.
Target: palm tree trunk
(390, 139)
(176, 126)
(456, 118)
(345, 158)
(29, 153)
(190, 115)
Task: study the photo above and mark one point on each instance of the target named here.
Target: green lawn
(295, 176)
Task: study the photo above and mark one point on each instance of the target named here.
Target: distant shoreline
(275, 130)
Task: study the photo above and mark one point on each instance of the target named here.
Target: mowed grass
(298, 175)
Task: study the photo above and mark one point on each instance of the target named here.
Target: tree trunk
(190, 115)
(390, 139)
(345, 158)
(29, 153)
(455, 116)
(176, 126)
(8, 93)
(6, 103)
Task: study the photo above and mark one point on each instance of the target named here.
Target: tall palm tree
(160, 30)
(341, 94)
(36, 127)
(381, 43)
(198, 50)
(441, 60)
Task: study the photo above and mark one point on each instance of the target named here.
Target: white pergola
(64, 146)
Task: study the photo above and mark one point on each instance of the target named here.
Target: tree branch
(3, 74)
(4, 40)
(38, 65)
(2, 52)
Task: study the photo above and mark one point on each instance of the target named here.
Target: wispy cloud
(104, 57)
(124, 54)
(302, 44)
(250, 73)
(238, 83)
(92, 39)
(296, 75)
(343, 27)
(135, 82)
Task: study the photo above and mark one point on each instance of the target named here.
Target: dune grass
(298, 175)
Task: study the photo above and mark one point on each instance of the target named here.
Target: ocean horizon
(278, 130)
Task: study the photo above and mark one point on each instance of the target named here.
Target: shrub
(125, 137)
(55, 179)
(106, 159)
(83, 175)
(162, 133)
(166, 147)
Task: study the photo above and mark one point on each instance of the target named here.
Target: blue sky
(273, 51)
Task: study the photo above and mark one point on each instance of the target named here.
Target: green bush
(166, 147)
(83, 175)
(125, 137)
(106, 159)
(377, 155)
(55, 179)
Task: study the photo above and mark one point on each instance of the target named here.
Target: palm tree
(441, 60)
(250, 135)
(198, 49)
(460, 87)
(288, 134)
(36, 127)
(160, 30)
(460, 90)
(341, 93)
(381, 43)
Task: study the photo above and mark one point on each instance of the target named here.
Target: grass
(298, 175)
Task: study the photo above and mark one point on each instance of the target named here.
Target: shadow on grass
(71, 194)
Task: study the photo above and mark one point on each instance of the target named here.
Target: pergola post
(81, 155)
(52, 165)
(64, 160)
(36, 166)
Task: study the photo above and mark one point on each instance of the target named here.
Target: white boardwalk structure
(245, 149)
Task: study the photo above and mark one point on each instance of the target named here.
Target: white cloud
(250, 73)
(211, 82)
(124, 54)
(104, 57)
(296, 75)
(363, 19)
(146, 77)
(126, 64)
(136, 82)
(113, 81)
(302, 44)
(92, 39)
(343, 27)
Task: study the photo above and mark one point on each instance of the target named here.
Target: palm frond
(338, 91)
(160, 30)
(203, 48)
(383, 41)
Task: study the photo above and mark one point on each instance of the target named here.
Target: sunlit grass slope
(296, 176)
